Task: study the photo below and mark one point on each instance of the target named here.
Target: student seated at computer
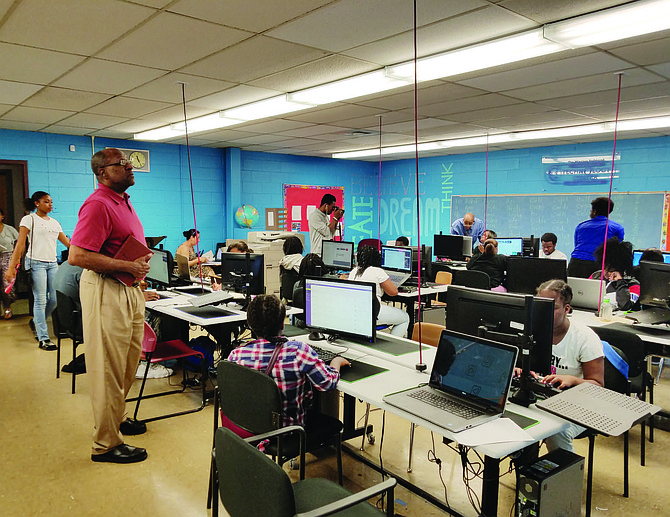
(648, 255)
(239, 247)
(297, 368)
(577, 355)
(623, 289)
(402, 241)
(490, 263)
(479, 249)
(311, 265)
(549, 250)
(187, 249)
(369, 260)
(292, 258)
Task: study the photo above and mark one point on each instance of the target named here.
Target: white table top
(655, 334)
(404, 376)
(439, 288)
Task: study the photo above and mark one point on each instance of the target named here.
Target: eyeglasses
(122, 163)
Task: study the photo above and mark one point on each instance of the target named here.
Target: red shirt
(106, 219)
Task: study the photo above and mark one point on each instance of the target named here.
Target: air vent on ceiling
(360, 132)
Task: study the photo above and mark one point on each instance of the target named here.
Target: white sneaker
(156, 371)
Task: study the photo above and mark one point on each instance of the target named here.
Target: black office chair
(260, 411)
(69, 323)
(239, 469)
(471, 278)
(288, 278)
(640, 379)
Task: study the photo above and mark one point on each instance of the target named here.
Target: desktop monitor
(243, 272)
(505, 315)
(510, 246)
(449, 246)
(655, 284)
(161, 268)
(531, 246)
(338, 254)
(397, 258)
(637, 255)
(426, 260)
(354, 316)
(525, 274)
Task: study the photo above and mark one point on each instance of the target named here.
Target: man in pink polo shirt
(112, 312)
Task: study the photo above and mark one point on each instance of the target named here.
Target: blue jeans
(43, 275)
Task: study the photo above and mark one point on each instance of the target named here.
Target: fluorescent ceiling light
(161, 133)
(265, 108)
(213, 121)
(477, 57)
(540, 134)
(617, 23)
(364, 84)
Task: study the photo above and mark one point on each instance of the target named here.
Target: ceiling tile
(176, 114)
(251, 15)
(258, 139)
(65, 25)
(443, 109)
(595, 99)
(97, 75)
(542, 120)
(91, 120)
(63, 98)
(648, 53)
(317, 72)
(364, 22)
(128, 107)
(171, 41)
(543, 11)
(501, 112)
(332, 114)
(275, 126)
(431, 95)
(252, 59)
(472, 27)
(320, 131)
(662, 69)
(66, 130)
(21, 126)
(168, 88)
(360, 120)
(581, 66)
(41, 115)
(4, 108)
(16, 93)
(236, 96)
(33, 65)
(594, 83)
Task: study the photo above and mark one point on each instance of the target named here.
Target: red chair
(375, 243)
(154, 352)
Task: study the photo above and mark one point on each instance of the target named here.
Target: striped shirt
(297, 369)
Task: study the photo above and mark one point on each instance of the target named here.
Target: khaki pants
(113, 324)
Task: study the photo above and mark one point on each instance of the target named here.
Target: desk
(409, 298)
(401, 375)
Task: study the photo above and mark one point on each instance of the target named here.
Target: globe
(246, 216)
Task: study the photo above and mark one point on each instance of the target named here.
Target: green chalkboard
(524, 215)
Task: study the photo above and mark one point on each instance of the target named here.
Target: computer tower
(551, 486)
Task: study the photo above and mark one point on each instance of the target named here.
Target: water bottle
(606, 310)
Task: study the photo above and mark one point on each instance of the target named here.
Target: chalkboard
(524, 215)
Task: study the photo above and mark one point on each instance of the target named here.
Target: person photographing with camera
(321, 226)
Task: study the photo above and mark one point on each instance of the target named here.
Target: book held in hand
(130, 251)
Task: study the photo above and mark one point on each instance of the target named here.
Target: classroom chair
(471, 278)
(239, 469)
(260, 411)
(375, 243)
(67, 323)
(156, 352)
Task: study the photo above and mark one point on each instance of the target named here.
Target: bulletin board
(301, 200)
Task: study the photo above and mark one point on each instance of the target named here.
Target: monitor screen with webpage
(338, 254)
(397, 258)
(341, 307)
(510, 246)
(161, 268)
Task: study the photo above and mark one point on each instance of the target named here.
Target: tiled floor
(45, 435)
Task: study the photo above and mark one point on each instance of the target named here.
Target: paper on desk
(497, 431)
(209, 255)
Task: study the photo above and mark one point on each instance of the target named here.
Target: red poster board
(665, 225)
(300, 200)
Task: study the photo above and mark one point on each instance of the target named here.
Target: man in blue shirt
(468, 225)
(591, 234)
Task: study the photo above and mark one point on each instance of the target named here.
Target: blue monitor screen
(510, 246)
(637, 255)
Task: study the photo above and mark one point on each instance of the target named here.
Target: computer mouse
(316, 336)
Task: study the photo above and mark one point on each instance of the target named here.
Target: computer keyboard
(538, 387)
(434, 399)
(325, 355)
(407, 289)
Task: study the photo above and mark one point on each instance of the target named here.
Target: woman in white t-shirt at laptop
(577, 355)
(42, 232)
(368, 260)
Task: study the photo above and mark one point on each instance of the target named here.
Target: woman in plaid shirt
(297, 368)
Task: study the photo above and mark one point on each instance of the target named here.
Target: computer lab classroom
(238, 116)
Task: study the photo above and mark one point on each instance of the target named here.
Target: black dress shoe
(132, 427)
(122, 454)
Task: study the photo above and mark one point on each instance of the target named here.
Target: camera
(338, 208)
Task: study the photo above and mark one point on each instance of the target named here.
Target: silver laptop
(469, 383)
(397, 263)
(585, 292)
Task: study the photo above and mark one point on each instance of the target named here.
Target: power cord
(380, 502)
(470, 472)
(432, 457)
